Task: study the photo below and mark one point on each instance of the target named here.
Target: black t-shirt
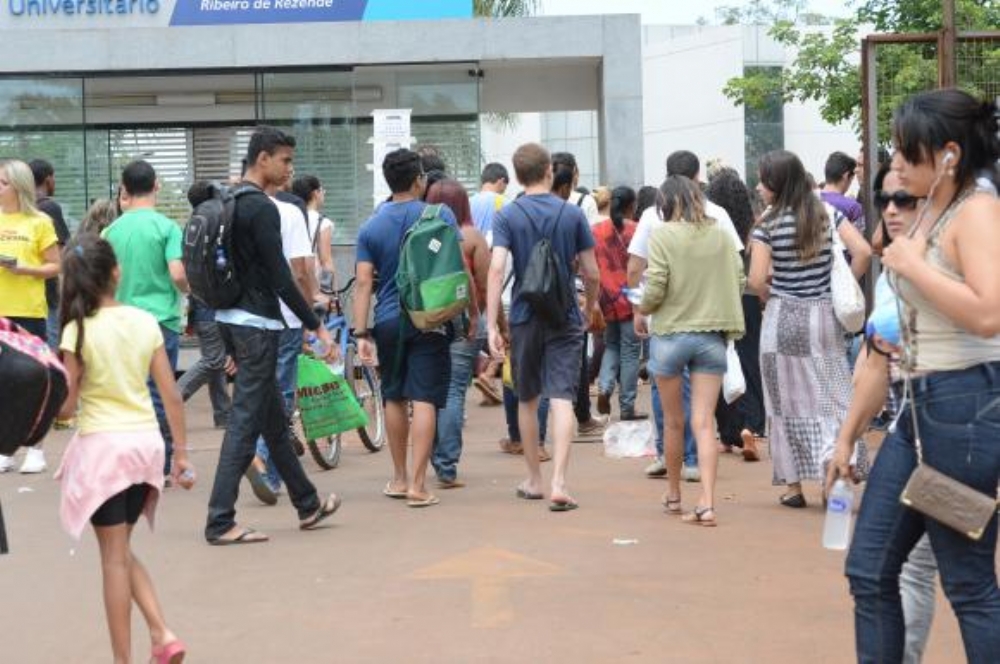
(54, 210)
(260, 263)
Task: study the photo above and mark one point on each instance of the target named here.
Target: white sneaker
(690, 474)
(34, 462)
(656, 469)
(6, 463)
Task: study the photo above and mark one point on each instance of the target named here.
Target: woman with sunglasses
(875, 373)
(947, 277)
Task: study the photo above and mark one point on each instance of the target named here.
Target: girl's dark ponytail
(621, 199)
(88, 265)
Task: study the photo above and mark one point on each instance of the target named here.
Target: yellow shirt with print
(24, 237)
(118, 347)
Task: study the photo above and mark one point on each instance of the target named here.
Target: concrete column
(620, 103)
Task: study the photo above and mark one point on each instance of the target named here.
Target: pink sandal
(169, 653)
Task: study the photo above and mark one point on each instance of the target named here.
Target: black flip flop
(796, 501)
(563, 506)
(524, 494)
(329, 506)
(248, 536)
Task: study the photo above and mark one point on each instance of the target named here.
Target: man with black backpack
(415, 362)
(546, 237)
(250, 327)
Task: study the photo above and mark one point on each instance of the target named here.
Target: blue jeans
(257, 410)
(690, 446)
(510, 412)
(172, 345)
(620, 363)
(959, 417)
(287, 374)
(448, 437)
(52, 330)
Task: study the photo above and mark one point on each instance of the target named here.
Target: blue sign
(237, 12)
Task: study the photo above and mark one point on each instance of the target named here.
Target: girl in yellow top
(28, 256)
(112, 470)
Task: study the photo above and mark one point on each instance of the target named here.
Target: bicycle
(363, 381)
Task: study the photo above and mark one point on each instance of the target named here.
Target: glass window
(764, 128)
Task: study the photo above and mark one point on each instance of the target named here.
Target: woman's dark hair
(564, 169)
(727, 190)
(682, 199)
(88, 267)
(883, 171)
(622, 199)
(306, 186)
(453, 194)
(783, 173)
(928, 121)
(648, 197)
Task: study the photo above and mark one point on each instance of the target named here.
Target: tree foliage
(504, 8)
(826, 67)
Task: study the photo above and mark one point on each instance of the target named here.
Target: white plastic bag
(734, 385)
(848, 298)
(629, 439)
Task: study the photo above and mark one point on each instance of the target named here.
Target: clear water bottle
(220, 258)
(317, 346)
(837, 528)
(633, 295)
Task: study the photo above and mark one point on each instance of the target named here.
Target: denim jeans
(621, 363)
(172, 345)
(209, 370)
(257, 410)
(287, 373)
(959, 418)
(918, 588)
(448, 436)
(510, 412)
(690, 446)
(52, 329)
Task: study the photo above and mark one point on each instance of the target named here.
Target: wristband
(362, 334)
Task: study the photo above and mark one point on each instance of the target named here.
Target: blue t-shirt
(379, 242)
(521, 225)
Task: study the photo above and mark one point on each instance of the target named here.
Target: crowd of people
(653, 284)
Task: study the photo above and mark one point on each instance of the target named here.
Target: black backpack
(543, 285)
(208, 248)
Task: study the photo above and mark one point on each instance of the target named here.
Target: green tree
(504, 8)
(826, 69)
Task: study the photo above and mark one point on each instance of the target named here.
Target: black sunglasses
(901, 199)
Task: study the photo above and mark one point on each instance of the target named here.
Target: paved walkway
(483, 577)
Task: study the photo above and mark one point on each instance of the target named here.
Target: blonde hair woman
(29, 254)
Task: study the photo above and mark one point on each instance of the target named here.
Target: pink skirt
(99, 465)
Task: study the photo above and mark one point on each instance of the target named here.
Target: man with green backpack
(423, 287)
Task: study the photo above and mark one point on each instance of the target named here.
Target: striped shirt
(794, 278)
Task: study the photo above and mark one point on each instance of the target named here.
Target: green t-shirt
(145, 242)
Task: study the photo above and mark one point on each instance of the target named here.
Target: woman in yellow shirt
(28, 256)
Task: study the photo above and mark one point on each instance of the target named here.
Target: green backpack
(432, 280)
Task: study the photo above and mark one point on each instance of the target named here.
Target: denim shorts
(424, 371)
(700, 352)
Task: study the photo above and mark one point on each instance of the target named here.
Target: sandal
(793, 500)
(750, 451)
(671, 505)
(329, 506)
(244, 536)
(701, 516)
(509, 446)
(169, 653)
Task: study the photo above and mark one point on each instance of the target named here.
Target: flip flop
(422, 502)
(329, 506)
(701, 516)
(246, 536)
(387, 491)
(524, 494)
(451, 484)
(567, 505)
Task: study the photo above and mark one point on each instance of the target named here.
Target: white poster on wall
(391, 131)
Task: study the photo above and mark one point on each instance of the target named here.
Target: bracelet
(362, 334)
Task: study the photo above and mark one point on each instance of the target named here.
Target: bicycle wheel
(325, 451)
(364, 383)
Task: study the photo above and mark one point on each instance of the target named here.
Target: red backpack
(33, 386)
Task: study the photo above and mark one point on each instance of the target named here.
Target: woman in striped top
(803, 360)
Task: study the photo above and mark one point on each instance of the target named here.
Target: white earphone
(949, 156)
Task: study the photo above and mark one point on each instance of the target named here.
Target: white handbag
(848, 298)
(734, 384)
